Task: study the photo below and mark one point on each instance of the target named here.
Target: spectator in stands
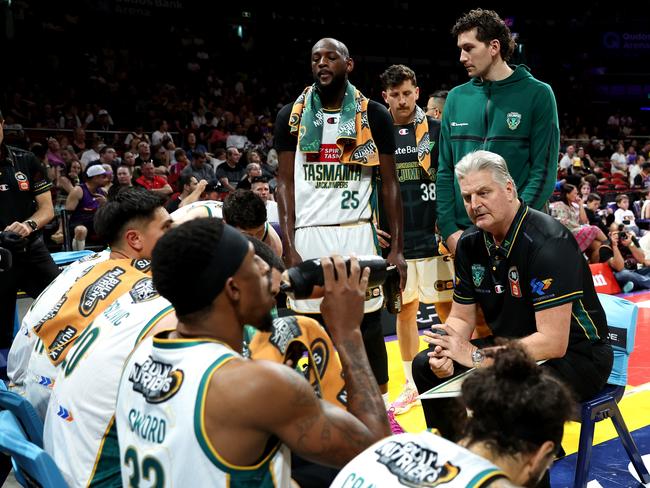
(627, 260)
(595, 215)
(238, 139)
(83, 202)
(92, 154)
(642, 180)
(138, 133)
(645, 205)
(53, 154)
(569, 210)
(218, 136)
(158, 135)
(180, 163)
(253, 170)
(246, 211)
(78, 141)
(191, 145)
(585, 190)
(144, 153)
(199, 167)
(129, 159)
(260, 186)
(567, 159)
(69, 118)
(230, 172)
(124, 180)
(107, 155)
(103, 123)
(153, 182)
(190, 193)
(623, 214)
(619, 160)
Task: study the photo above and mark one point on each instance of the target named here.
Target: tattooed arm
(250, 401)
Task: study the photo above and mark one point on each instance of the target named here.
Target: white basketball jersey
(45, 307)
(211, 208)
(79, 431)
(160, 424)
(422, 459)
(328, 192)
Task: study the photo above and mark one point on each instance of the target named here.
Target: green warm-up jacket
(516, 118)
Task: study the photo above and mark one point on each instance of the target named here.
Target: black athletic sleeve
(283, 140)
(463, 289)
(38, 175)
(381, 126)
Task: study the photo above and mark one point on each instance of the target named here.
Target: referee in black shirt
(25, 207)
(526, 272)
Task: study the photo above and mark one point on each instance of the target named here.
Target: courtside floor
(610, 466)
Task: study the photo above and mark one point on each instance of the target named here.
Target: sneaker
(407, 399)
(395, 427)
(628, 287)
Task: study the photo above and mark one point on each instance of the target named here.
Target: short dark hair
(396, 75)
(185, 179)
(260, 179)
(179, 254)
(593, 197)
(488, 26)
(265, 252)
(129, 205)
(516, 405)
(244, 209)
(440, 94)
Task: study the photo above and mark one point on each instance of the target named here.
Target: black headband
(226, 260)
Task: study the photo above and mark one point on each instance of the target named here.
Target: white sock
(408, 371)
(78, 245)
(385, 398)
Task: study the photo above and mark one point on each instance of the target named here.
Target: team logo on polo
(23, 182)
(478, 272)
(414, 465)
(99, 290)
(285, 329)
(513, 279)
(513, 119)
(156, 381)
(539, 287)
(143, 291)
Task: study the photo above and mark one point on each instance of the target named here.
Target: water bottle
(306, 279)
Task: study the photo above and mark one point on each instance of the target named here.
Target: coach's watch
(32, 224)
(477, 358)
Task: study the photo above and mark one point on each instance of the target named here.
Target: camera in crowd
(306, 280)
(623, 234)
(10, 243)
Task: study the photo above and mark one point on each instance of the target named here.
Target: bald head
(332, 44)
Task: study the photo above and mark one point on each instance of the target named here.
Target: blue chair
(24, 412)
(621, 320)
(32, 465)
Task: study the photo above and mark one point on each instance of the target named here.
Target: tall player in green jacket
(502, 109)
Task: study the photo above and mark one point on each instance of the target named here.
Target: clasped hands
(446, 349)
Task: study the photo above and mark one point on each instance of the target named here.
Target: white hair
(485, 161)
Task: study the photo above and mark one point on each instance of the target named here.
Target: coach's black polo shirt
(22, 177)
(537, 266)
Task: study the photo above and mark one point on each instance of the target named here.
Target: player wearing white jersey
(189, 390)
(332, 144)
(80, 413)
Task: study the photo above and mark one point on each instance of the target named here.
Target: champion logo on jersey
(459, 124)
(403, 131)
(332, 120)
(65, 414)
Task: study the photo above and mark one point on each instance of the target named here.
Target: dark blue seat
(621, 320)
(24, 412)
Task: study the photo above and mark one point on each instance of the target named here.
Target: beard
(266, 323)
(333, 87)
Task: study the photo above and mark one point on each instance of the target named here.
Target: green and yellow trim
(262, 471)
(511, 236)
(461, 299)
(107, 470)
(152, 323)
(485, 477)
(178, 343)
(555, 301)
(584, 320)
